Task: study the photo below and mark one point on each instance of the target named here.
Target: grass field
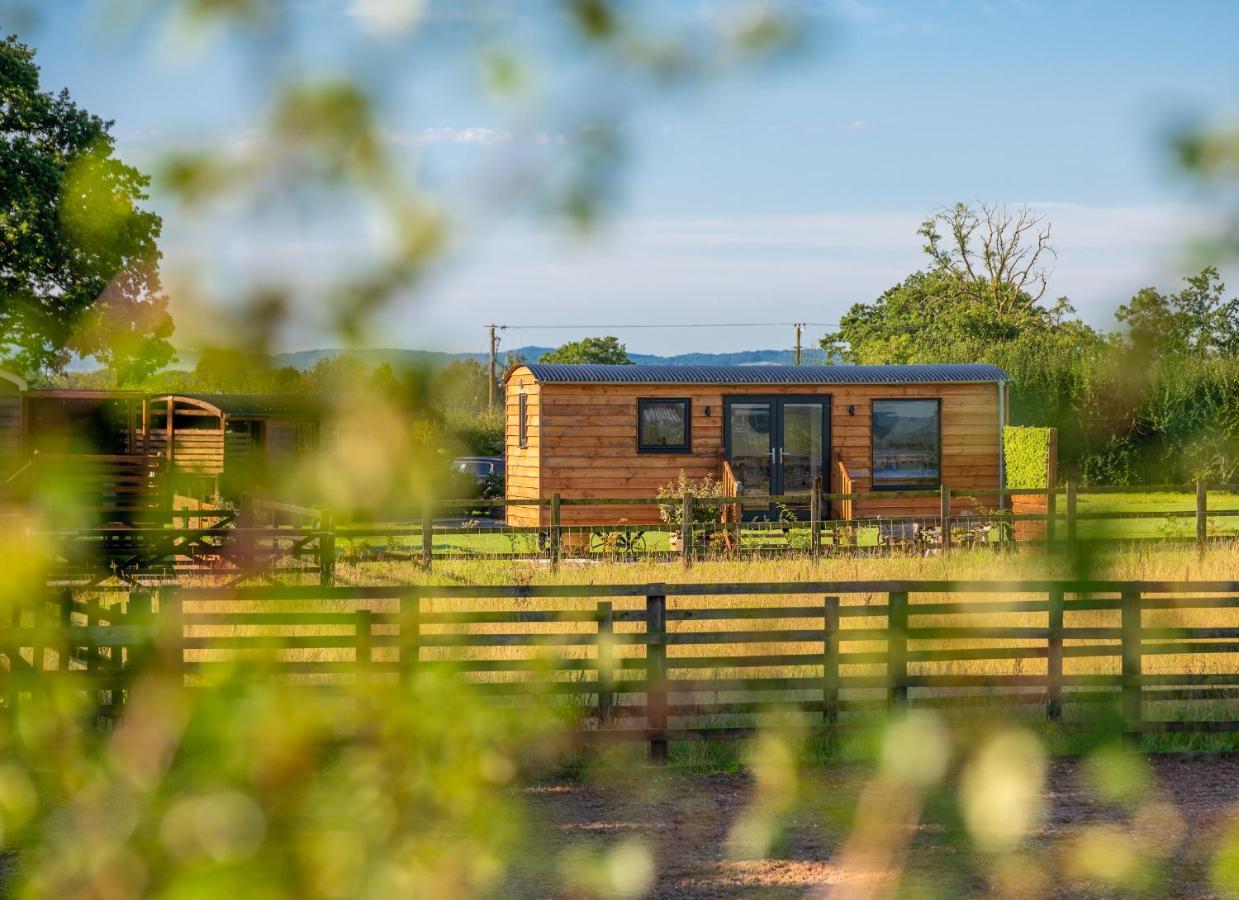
(482, 538)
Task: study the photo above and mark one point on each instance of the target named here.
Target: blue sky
(777, 194)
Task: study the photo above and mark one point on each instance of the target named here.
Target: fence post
(245, 524)
(830, 662)
(64, 647)
(1132, 668)
(428, 535)
(606, 661)
(944, 514)
(897, 649)
(12, 649)
(686, 530)
(1071, 514)
(556, 528)
(1054, 658)
(172, 630)
(655, 675)
(364, 653)
(815, 521)
(139, 617)
(1202, 513)
(410, 637)
(1051, 515)
(326, 551)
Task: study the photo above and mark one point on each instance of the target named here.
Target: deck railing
(661, 663)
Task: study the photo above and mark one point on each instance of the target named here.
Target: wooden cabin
(228, 442)
(12, 428)
(204, 443)
(65, 420)
(609, 431)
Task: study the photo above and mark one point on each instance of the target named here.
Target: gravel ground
(686, 819)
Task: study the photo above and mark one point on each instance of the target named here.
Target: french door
(776, 445)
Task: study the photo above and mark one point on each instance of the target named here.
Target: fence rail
(233, 546)
(661, 663)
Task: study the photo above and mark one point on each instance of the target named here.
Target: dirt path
(686, 820)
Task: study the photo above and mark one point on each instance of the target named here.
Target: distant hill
(306, 359)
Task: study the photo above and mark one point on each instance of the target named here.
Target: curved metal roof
(255, 406)
(909, 374)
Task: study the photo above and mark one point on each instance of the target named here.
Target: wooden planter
(1029, 505)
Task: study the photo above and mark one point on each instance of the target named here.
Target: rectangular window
(907, 444)
(307, 435)
(663, 425)
(524, 420)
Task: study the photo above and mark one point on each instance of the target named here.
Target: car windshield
(472, 467)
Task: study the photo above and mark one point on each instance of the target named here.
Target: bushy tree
(602, 350)
(982, 290)
(1196, 320)
(79, 265)
(1157, 403)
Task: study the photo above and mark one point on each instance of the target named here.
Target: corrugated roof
(261, 406)
(910, 374)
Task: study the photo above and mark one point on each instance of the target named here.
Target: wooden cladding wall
(196, 451)
(522, 464)
(10, 427)
(583, 443)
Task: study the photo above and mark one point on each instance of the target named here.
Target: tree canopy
(79, 264)
(1156, 400)
(1194, 321)
(599, 350)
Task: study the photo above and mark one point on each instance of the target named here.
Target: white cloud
(809, 267)
(462, 136)
(852, 9)
(387, 17)
(474, 135)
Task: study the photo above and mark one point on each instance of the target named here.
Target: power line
(678, 325)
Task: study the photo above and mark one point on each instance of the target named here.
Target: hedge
(1025, 451)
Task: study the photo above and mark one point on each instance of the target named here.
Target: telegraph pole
(494, 351)
(798, 325)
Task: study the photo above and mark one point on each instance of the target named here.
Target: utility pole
(494, 350)
(798, 325)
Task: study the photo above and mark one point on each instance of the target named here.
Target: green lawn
(1150, 503)
(656, 539)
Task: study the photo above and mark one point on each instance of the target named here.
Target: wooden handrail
(846, 511)
(730, 512)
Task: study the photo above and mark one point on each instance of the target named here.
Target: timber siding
(583, 443)
(11, 427)
(523, 478)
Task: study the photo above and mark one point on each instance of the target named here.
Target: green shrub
(703, 513)
(1025, 451)
(478, 435)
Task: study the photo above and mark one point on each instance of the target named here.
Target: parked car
(480, 467)
(480, 477)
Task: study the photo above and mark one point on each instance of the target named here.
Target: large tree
(606, 350)
(1196, 320)
(982, 290)
(79, 265)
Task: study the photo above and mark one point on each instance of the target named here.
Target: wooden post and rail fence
(236, 544)
(663, 663)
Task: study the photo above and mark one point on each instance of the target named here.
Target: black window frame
(522, 434)
(687, 446)
(873, 436)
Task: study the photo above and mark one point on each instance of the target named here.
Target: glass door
(802, 448)
(777, 445)
(750, 449)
